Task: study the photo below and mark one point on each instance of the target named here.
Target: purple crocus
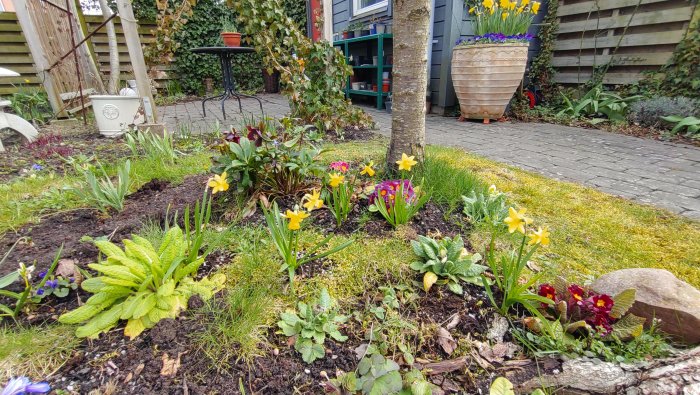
(37, 167)
(22, 385)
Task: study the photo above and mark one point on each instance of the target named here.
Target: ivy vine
(542, 72)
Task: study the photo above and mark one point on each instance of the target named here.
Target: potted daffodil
(487, 68)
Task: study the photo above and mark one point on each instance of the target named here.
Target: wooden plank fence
(632, 36)
(15, 55)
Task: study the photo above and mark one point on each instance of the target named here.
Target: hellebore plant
(507, 271)
(284, 230)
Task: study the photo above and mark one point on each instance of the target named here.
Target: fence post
(40, 61)
(133, 43)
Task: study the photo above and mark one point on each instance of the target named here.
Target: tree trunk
(410, 79)
(679, 374)
(113, 84)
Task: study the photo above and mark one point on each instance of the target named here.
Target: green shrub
(691, 125)
(598, 102)
(32, 105)
(152, 146)
(649, 112)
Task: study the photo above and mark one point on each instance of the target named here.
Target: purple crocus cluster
(496, 38)
(388, 189)
(22, 385)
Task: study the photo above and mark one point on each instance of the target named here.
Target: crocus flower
(340, 166)
(218, 183)
(22, 385)
(406, 162)
(368, 169)
(540, 236)
(313, 201)
(37, 167)
(517, 220)
(336, 179)
(295, 217)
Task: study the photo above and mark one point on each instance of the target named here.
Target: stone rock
(660, 295)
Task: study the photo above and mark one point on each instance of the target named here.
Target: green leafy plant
(691, 125)
(397, 201)
(143, 285)
(488, 208)
(596, 102)
(101, 192)
(284, 230)
(649, 112)
(503, 386)
(153, 146)
(32, 105)
(311, 326)
(446, 262)
(228, 24)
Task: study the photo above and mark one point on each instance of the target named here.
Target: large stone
(660, 295)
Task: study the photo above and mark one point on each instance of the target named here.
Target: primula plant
(284, 230)
(446, 262)
(397, 200)
(582, 311)
(310, 325)
(501, 21)
(143, 285)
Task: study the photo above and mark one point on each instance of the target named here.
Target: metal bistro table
(225, 55)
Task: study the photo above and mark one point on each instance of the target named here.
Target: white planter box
(114, 114)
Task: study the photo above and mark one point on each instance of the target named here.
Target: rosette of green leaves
(446, 262)
(140, 285)
(311, 325)
(488, 208)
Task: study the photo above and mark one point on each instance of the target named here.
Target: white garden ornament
(12, 121)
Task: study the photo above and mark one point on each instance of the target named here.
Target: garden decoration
(487, 69)
(11, 121)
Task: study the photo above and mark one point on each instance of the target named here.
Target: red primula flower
(601, 322)
(548, 291)
(340, 166)
(602, 303)
(576, 292)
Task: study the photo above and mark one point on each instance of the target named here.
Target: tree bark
(113, 83)
(410, 79)
(679, 374)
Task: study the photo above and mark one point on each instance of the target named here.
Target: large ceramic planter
(114, 114)
(485, 77)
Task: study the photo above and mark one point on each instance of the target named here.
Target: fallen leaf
(428, 280)
(170, 366)
(139, 369)
(453, 323)
(446, 341)
(67, 268)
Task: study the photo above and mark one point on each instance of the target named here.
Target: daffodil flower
(218, 183)
(504, 16)
(313, 201)
(517, 220)
(541, 236)
(406, 162)
(295, 217)
(535, 7)
(336, 179)
(471, 10)
(368, 169)
(488, 3)
(493, 190)
(524, 2)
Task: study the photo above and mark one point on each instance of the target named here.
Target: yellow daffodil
(471, 10)
(517, 220)
(492, 10)
(406, 162)
(295, 217)
(368, 169)
(301, 62)
(493, 190)
(541, 236)
(524, 2)
(336, 179)
(218, 183)
(504, 16)
(313, 201)
(520, 10)
(488, 3)
(535, 7)
(512, 5)
(504, 3)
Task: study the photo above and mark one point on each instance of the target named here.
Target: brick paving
(662, 174)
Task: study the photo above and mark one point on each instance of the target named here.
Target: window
(365, 6)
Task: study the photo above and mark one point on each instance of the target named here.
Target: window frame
(358, 11)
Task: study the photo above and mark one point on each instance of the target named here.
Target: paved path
(666, 175)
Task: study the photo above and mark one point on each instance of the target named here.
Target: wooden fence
(15, 55)
(632, 35)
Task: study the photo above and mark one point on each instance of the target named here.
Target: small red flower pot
(231, 39)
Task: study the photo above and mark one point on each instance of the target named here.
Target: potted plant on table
(488, 68)
(229, 32)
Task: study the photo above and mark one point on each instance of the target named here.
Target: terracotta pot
(485, 77)
(231, 39)
(385, 87)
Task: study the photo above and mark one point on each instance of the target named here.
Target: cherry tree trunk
(410, 79)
